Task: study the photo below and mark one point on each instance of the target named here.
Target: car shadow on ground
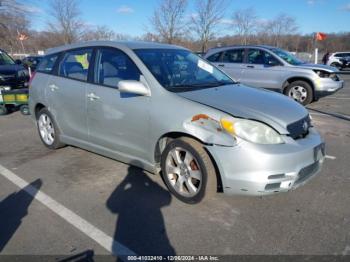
(12, 211)
(137, 202)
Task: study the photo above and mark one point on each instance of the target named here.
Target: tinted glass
(112, 66)
(286, 56)
(233, 56)
(256, 56)
(47, 63)
(181, 70)
(214, 57)
(75, 64)
(5, 59)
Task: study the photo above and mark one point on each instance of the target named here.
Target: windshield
(5, 59)
(181, 70)
(288, 57)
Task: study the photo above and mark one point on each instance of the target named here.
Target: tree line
(169, 23)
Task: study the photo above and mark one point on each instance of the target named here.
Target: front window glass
(5, 59)
(288, 57)
(113, 66)
(181, 70)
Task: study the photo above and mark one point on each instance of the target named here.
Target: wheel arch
(166, 138)
(298, 78)
(37, 109)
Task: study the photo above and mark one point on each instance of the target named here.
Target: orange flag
(22, 37)
(320, 36)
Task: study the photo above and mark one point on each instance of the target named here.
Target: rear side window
(214, 57)
(75, 64)
(233, 56)
(47, 64)
(112, 66)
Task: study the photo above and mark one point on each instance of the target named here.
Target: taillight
(31, 79)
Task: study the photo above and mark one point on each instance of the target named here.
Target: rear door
(66, 93)
(262, 69)
(117, 121)
(230, 61)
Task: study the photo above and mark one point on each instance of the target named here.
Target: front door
(117, 121)
(262, 70)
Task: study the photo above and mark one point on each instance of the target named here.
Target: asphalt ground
(88, 202)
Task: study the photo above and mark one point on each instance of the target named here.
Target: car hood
(10, 69)
(258, 104)
(318, 67)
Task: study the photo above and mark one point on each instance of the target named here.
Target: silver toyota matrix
(164, 109)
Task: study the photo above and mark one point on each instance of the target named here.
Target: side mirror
(134, 87)
(18, 62)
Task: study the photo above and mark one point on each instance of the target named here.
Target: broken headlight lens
(252, 131)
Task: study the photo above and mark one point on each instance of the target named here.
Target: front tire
(300, 91)
(48, 131)
(188, 171)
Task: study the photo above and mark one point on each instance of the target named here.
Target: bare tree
(245, 22)
(168, 19)
(280, 26)
(66, 22)
(13, 20)
(99, 33)
(208, 16)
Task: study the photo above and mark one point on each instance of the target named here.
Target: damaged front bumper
(251, 169)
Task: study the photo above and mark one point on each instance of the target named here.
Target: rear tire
(188, 171)
(48, 131)
(300, 91)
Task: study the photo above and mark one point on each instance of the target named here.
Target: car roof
(217, 49)
(118, 44)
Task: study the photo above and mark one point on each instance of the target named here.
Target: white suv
(335, 59)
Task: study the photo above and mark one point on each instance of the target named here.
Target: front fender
(208, 130)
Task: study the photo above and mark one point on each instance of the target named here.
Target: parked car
(31, 62)
(275, 69)
(337, 59)
(163, 108)
(13, 75)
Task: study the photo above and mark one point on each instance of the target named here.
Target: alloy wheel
(46, 129)
(298, 93)
(183, 172)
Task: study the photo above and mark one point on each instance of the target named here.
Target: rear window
(214, 57)
(47, 64)
(75, 64)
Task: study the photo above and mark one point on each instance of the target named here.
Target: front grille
(300, 128)
(307, 171)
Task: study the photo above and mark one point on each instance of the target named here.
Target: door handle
(93, 97)
(53, 87)
(250, 66)
(222, 65)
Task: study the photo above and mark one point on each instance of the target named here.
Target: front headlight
(252, 131)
